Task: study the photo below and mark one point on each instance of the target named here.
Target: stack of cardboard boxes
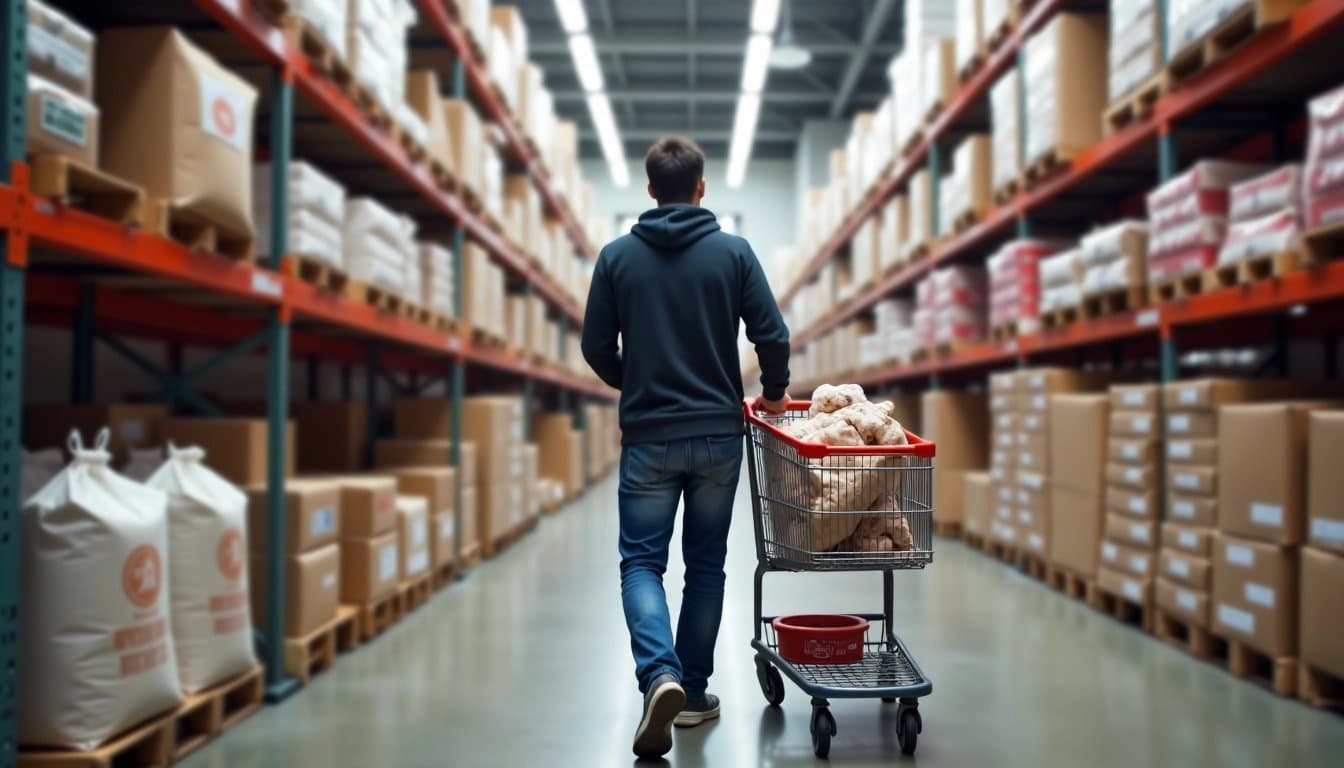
(423, 446)
(561, 450)
(1322, 655)
(1128, 549)
(370, 556)
(1078, 435)
(413, 539)
(958, 422)
(1003, 461)
(312, 554)
(979, 504)
(437, 485)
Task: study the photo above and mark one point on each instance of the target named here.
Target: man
(674, 291)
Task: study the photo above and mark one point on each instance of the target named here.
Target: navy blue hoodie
(675, 290)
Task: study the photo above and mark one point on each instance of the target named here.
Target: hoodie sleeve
(765, 329)
(601, 326)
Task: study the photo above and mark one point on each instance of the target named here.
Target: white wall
(765, 204)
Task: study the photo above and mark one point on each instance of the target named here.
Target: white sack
(36, 468)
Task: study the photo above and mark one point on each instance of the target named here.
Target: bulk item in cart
(837, 656)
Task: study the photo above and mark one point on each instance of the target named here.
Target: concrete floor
(526, 663)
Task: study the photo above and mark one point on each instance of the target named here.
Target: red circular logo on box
(141, 576)
(229, 554)
(225, 119)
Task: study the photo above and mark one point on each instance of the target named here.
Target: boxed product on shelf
(413, 537)
(492, 181)
(329, 435)
(411, 452)
(904, 74)
(921, 215)
(1266, 194)
(61, 122)
(312, 589)
(1324, 170)
(467, 135)
(312, 516)
(970, 33)
(1255, 592)
(483, 292)
(959, 298)
(1006, 131)
(863, 253)
(502, 62)
(368, 505)
(997, 16)
(880, 148)
(1271, 235)
(438, 487)
(327, 20)
(376, 48)
(1077, 450)
(1135, 46)
(895, 231)
(854, 171)
(424, 95)
(1004, 414)
(939, 75)
(370, 568)
(965, 193)
(59, 50)
(978, 503)
(316, 213)
(1014, 283)
(1325, 486)
(1187, 218)
(959, 423)
(1322, 581)
(1065, 76)
(130, 426)
(437, 284)
(373, 244)
(177, 123)
(1114, 258)
(561, 449)
(1189, 21)
(1061, 281)
(237, 448)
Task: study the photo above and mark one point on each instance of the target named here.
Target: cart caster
(908, 726)
(772, 684)
(888, 700)
(823, 728)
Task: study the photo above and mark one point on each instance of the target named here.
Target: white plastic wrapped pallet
(436, 263)
(372, 244)
(1134, 51)
(970, 31)
(1061, 281)
(328, 21)
(95, 645)
(1007, 132)
(1113, 258)
(207, 570)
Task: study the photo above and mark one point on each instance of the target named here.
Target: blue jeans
(705, 471)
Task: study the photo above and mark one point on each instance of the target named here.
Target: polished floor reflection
(525, 663)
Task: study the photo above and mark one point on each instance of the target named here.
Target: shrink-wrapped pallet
(1065, 81)
(1006, 154)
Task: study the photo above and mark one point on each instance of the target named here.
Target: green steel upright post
(935, 165)
(1169, 363)
(13, 50)
(458, 387)
(1168, 155)
(278, 685)
(370, 399)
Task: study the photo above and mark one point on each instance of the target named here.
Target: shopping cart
(803, 499)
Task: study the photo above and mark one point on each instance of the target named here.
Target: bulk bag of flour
(207, 568)
(95, 644)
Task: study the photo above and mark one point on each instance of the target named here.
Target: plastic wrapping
(1266, 236)
(1006, 136)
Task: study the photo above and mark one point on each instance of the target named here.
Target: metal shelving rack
(1150, 142)
(249, 307)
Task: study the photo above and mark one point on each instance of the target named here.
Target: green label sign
(64, 122)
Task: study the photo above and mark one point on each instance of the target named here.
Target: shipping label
(323, 522)
(68, 59)
(1180, 449)
(1259, 594)
(387, 564)
(1239, 555)
(1179, 422)
(1188, 540)
(1138, 531)
(1133, 591)
(1328, 530)
(1036, 542)
(1183, 509)
(1237, 619)
(1187, 600)
(417, 563)
(64, 122)
(1267, 514)
(1109, 553)
(1138, 505)
(224, 112)
(1178, 568)
(447, 527)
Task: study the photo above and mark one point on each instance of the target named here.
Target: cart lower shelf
(881, 667)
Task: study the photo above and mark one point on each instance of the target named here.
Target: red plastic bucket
(824, 638)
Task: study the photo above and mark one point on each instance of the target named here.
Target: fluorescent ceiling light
(572, 16)
(604, 123)
(764, 16)
(744, 136)
(756, 64)
(585, 63)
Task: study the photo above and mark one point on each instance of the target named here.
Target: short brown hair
(675, 166)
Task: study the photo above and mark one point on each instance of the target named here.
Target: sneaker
(664, 700)
(697, 712)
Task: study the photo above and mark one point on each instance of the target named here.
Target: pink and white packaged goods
(960, 297)
(1187, 217)
(1264, 236)
(1113, 258)
(1269, 193)
(1014, 287)
(1324, 173)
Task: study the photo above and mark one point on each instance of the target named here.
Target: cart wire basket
(825, 508)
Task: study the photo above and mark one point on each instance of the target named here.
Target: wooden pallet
(319, 54)
(442, 175)
(323, 274)
(911, 142)
(416, 592)
(471, 556)
(383, 300)
(1251, 270)
(950, 528)
(418, 314)
(316, 652)
(967, 71)
(207, 714)
(1048, 164)
(1058, 318)
(1318, 688)
(198, 231)
(1072, 585)
(1007, 191)
(1239, 26)
(1181, 287)
(1277, 674)
(1135, 105)
(997, 36)
(484, 338)
(416, 151)
(1034, 566)
(1004, 331)
(76, 185)
(1001, 551)
(973, 540)
(149, 744)
(444, 575)
(1115, 301)
(950, 348)
(1121, 608)
(376, 617)
(1324, 243)
(965, 221)
(1193, 639)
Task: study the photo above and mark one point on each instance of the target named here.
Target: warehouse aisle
(526, 664)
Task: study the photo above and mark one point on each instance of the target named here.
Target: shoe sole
(685, 720)
(654, 736)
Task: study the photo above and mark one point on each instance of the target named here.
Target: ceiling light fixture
(756, 64)
(744, 136)
(604, 122)
(788, 54)
(588, 68)
(572, 16)
(764, 16)
(585, 63)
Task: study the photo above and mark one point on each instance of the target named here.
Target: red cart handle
(918, 446)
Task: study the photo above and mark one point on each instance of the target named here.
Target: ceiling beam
(645, 134)
(692, 12)
(872, 26)
(655, 96)
(705, 42)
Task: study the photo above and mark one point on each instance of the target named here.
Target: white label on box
(1133, 591)
(1133, 475)
(1023, 496)
(1038, 402)
(1187, 600)
(1025, 458)
(1109, 552)
(1189, 396)
(997, 474)
(1138, 531)
(1183, 509)
(69, 59)
(447, 526)
(1138, 563)
(1024, 517)
(265, 285)
(224, 112)
(1328, 530)
(1259, 594)
(323, 522)
(1031, 479)
(387, 563)
(1239, 555)
(1032, 422)
(1138, 505)
(1188, 539)
(1179, 422)
(132, 430)
(329, 581)
(417, 563)
(63, 122)
(1004, 513)
(1037, 381)
(1267, 514)
(1036, 542)
(1147, 318)
(1178, 568)
(1130, 451)
(1236, 618)
(1023, 438)
(1005, 494)
(1180, 449)
(1006, 440)
(1133, 399)
(1186, 480)
(1140, 424)
(1005, 420)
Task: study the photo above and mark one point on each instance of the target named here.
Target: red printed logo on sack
(229, 554)
(225, 120)
(140, 576)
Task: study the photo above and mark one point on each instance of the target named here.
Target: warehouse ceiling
(675, 66)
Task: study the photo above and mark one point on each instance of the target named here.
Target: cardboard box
(312, 590)
(977, 501)
(1199, 452)
(413, 538)
(1075, 529)
(312, 516)
(1132, 424)
(1132, 504)
(438, 486)
(59, 50)
(949, 500)
(370, 568)
(1132, 451)
(129, 426)
(1127, 530)
(1188, 605)
(1182, 538)
(1193, 481)
(368, 506)
(499, 511)
(1322, 623)
(1122, 584)
(330, 436)
(1263, 470)
(959, 423)
(1209, 394)
(1065, 66)
(1138, 561)
(401, 453)
(60, 122)
(531, 461)
(1078, 442)
(1051, 381)
(1255, 594)
(1325, 483)
(467, 517)
(1192, 424)
(234, 448)
(443, 539)
(158, 89)
(1136, 478)
(425, 96)
(1034, 454)
(466, 135)
(1190, 570)
(556, 439)
(1136, 398)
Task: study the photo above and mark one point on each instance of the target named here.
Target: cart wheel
(772, 684)
(908, 727)
(823, 728)
(888, 700)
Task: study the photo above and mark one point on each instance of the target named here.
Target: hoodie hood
(675, 227)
